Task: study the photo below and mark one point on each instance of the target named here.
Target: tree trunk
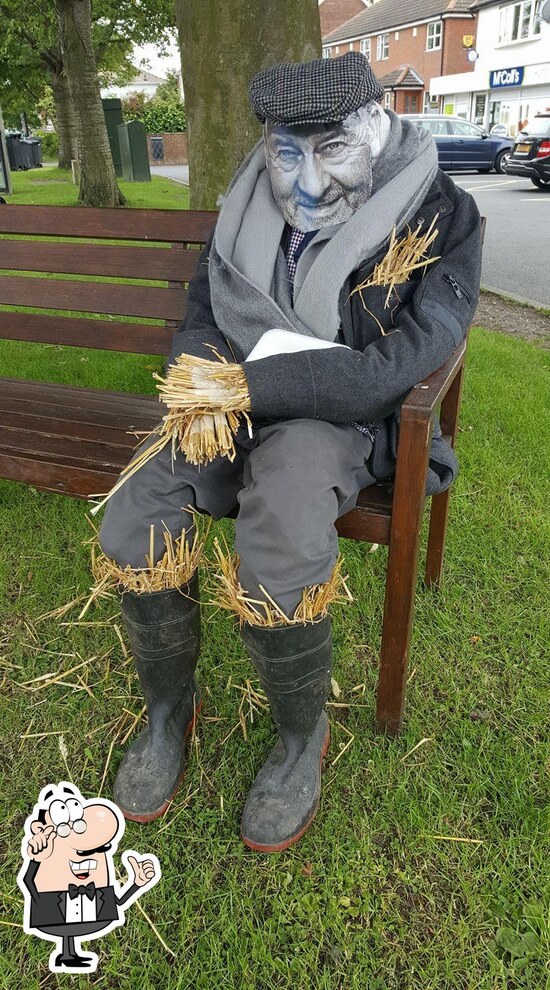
(98, 185)
(222, 45)
(65, 119)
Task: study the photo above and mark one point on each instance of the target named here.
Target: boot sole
(143, 819)
(281, 846)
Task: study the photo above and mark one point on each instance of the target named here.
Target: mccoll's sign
(506, 77)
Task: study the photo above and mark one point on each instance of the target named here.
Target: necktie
(75, 890)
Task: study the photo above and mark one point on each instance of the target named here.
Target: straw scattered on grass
(403, 257)
(456, 838)
(314, 604)
(252, 701)
(422, 742)
(343, 746)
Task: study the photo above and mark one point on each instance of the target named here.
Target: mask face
(321, 174)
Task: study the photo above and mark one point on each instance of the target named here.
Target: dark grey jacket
(368, 382)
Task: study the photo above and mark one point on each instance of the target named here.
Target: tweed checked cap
(324, 90)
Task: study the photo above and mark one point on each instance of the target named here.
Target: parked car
(530, 155)
(462, 145)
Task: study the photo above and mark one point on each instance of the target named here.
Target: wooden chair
(75, 441)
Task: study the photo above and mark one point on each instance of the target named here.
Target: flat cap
(326, 89)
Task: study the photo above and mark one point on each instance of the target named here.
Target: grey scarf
(249, 284)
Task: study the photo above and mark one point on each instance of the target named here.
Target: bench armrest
(422, 400)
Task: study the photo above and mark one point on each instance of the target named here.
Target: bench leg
(436, 539)
(396, 634)
(408, 505)
(440, 503)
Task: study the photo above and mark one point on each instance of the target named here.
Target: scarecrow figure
(343, 269)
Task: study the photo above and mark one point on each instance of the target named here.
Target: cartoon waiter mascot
(67, 877)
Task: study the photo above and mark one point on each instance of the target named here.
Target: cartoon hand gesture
(40, 845)
(144, 872)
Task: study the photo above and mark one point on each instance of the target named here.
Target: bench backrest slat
(176, 265)
(94, 297)
(139, 338)
(184, 226)
(167, 252)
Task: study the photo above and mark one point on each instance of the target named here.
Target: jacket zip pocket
(458, 289)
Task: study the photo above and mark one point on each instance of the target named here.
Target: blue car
(464, 146)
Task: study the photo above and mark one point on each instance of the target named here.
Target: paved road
(516, 251)
(179, 173)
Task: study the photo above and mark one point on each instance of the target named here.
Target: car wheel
(541, 183)
(500, 162)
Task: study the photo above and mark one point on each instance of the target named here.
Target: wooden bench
(75, 441)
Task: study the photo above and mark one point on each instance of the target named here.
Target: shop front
(509, 96)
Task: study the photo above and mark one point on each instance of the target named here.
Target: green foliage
(134, 104)
(159, 116)
(164, 117)
(50, 144)
(30, 50)
(12, 119)
(168, 92)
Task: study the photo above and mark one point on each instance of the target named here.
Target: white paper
(286, 342)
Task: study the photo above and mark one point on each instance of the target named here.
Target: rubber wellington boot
(164, 632)
(294, 666)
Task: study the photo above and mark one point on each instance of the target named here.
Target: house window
(326, 52)
(426, 106)
(382, 47)
(387, 99)
(365, 47)
(433, 36)
(518, 21)
(415, 32)
(337, 49)
(396, 35)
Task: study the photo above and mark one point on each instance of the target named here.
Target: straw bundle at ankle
(206, 401)
(313, 606)
(403, 257)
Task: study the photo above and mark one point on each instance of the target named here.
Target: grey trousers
(291, 481)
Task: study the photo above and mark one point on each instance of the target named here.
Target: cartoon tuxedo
(67, 872)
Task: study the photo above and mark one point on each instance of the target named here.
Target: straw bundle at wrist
(206, 402)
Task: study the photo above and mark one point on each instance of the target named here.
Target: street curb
(512, 297)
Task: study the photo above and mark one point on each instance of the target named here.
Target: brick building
(333, 13)
(408, 42)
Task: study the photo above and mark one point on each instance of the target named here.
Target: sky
(159, 66)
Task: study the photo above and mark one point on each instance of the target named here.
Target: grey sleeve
(340, 385)
(199, 329)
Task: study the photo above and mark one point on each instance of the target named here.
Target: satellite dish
(544, 12)
(472, 55)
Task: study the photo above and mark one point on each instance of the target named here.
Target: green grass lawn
(377, 895)
(54, 187)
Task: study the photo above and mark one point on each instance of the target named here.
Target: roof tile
(387, 14)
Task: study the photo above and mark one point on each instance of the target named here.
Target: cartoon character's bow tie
(76, 891)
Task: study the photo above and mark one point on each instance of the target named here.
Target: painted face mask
(322, 173)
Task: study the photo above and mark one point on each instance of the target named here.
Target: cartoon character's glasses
(66, 815)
